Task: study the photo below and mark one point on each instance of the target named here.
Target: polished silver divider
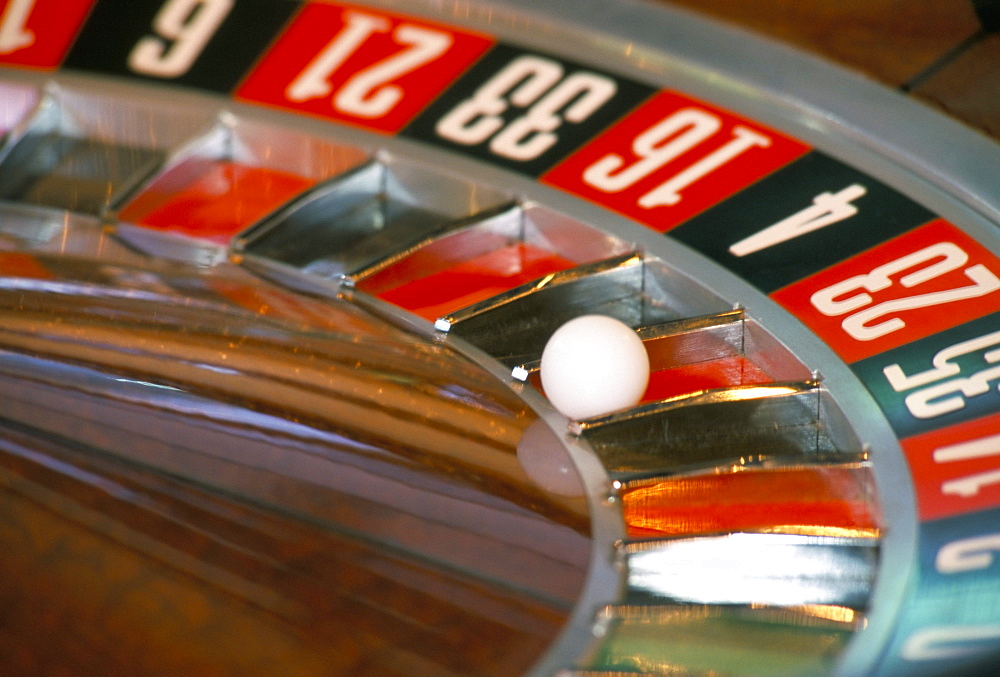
(858, 462)
(625, 673)
(752, 568)
(693, 639)
(856, 465)
(696, 339)
(718, 336)
(814, 615)
(687, 341)
(522, 319)
(515, 326)
(82, 152)
(230, 138)
(168, 246)
(714, 427)
(474, 234)
(44, 229)
(44, 247)
(363, 216)
(486, 232)
(608, 673)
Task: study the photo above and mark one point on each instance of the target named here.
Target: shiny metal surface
(742, 568)
(385, 401)
(714, 427)
(273, 377)
(724, 639)
(185, 450)
(84, 154)
(378, 209)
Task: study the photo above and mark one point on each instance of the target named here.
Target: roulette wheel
(277, 278)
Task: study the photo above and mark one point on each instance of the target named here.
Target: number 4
(827, 209)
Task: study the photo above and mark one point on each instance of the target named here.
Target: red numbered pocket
(37, 33)
(361, 66)
(671, 159)
(920, 283)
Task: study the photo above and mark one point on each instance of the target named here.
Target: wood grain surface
(945, 53)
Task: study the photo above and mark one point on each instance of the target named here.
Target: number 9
(188, 25)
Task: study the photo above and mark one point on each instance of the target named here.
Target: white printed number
(368, 93)
(970, 554)
(950, 642)
(971, 485)
(14, 33)
(826, 209)
(849, 297)
(183, 28)
(933, 395)
(530, 82)
(664, 142)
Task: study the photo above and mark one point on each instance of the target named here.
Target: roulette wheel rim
(837, 112)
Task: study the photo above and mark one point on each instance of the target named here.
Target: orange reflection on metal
(212, 199)
(464, 282)
(809, 500)
(19, 264)
(717, 373)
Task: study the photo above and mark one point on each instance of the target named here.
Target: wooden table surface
(943, 52)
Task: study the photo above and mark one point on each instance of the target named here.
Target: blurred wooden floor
(944, 52)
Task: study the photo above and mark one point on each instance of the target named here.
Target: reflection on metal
(711, 428)
(695, 339)
(15, 105)
(514, 327)
(84, 152)
(679, 342)
(258, 145)
(171, 247)
(485, 232)
(828, 496)
(219, 182)
(360, 218)
(748, 568)
(141, 387)
(545, 460)
(475, 234)
(717, 640)
(770, 355)
(42, 229)
(321, 479)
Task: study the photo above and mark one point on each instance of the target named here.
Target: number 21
(368, 93)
